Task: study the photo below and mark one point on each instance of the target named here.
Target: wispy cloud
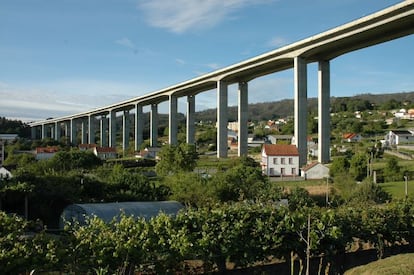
(277, 42)
(125, 42)
(183, 15)
(61, 98)
(180, 61)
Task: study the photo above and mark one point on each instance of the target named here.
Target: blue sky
(60, 57)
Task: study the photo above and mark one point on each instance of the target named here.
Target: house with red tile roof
(351, 137)
(87, 146)
(280, 160)
(48, 152)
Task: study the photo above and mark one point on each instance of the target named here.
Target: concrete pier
(139, 125)
(301, 108)
(172, 121)
(190, 129)
(243, 118)
(154, 125)
(324, 134)
(222, 120)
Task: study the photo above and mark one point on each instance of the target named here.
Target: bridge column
(222, 120)
(57, 131)
(52, 131)
(43, 131)
(172, 121)
(67, 131)
(112, 128)
(125, 130)
(73, 131)
(91, 129)
(242, 118)
(323, 112)
(33, 131)
(139, 125)
(301, 108)
(190, 119)
(83, 131)
(154, 125)
(103, 131)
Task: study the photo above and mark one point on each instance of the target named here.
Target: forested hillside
(8, 126)
(284, 108)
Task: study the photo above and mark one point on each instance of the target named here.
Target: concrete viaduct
(391, 23)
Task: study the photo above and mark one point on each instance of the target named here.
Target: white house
(48, 152)
(280, 160)
(105, 152)
(351, 137)
(150, 153)
(398, 137)
(4, 173)
(315, 170)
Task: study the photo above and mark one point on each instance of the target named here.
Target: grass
(399, 264)
(397, 189)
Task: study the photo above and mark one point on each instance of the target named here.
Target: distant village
(278, 156)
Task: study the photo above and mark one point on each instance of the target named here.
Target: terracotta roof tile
(280, 150)
(47, 150)
(105, 150)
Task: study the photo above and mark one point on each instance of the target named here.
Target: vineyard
(206, 240)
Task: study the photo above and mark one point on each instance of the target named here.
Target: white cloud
(277, 42)
(214, 66)
(180, 61)
(182, 15)
(62, 98)
(126, 43)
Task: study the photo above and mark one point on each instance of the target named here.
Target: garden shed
(108, 211)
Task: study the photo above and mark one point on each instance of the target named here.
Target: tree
(358, 166)
(125, 185)
(339, 166)
(392, 171)
(174, 159)
(244, 181)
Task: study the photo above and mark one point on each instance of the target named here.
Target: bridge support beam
(43, 131)
(154, 125)
(91, 129)
(112, 128)
(57, 131)
(102, 132)
(66, 134)
(301, 108)
(324, 112)
(172, 121)
(242, 118)
(190, 119)
(73, 132)
(125, 130)
(33, 131)
(84, 131)
(139, 125)
(222, 119)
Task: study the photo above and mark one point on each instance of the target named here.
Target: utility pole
(406, 186)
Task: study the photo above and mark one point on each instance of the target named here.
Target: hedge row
(245, 234)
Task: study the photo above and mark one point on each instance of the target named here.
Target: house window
(272, 171)
(290, 160)
(282, 171)
(293, 171)
(282, 161)
(275, 161)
